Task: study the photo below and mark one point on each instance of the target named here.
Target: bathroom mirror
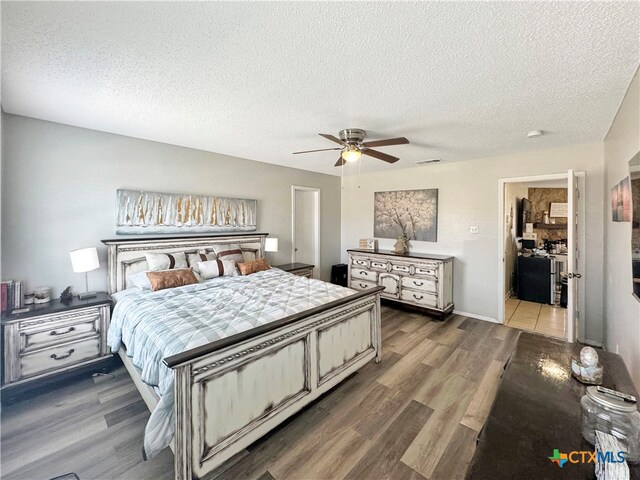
(634, 174)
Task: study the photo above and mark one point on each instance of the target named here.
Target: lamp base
(85, 295)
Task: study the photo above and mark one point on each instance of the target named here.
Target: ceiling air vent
(426, 162)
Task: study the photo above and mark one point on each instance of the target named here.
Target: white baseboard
(473, 315)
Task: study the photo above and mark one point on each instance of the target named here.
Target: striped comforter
(155, 325)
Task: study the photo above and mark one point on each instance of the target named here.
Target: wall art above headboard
(139, 212)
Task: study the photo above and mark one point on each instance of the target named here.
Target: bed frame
(231, 392)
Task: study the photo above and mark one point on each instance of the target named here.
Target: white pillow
(202, 256)
(140, 280)
(229, 251)
(166, 261)
(217, 268)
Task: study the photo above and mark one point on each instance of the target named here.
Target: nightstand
(300, 269)
(54, 339)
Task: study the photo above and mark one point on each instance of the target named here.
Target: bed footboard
(229, 395)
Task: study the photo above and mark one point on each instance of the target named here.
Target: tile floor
(536, 317)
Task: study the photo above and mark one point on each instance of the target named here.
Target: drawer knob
(417, 297)
(418, 284)
(363, 285)
(71, 329)
(362, 272)
(60, 357)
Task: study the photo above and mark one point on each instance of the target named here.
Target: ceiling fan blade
(388, 141)
(341, 161)
(380, 155)
(332, 138)
(320, 150)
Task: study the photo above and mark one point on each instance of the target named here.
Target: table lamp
(84, 260)
(271, 244)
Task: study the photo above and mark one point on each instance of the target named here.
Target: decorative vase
(400, 246)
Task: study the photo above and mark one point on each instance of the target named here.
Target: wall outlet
(474, 229)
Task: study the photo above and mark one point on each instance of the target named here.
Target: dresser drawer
(359, 262)
(419, 298)
(426, 270)
(420, 284)
(59, 331)
(361, 274)
(361, 284)
(401, 268)
(56, 358)
(378, 265)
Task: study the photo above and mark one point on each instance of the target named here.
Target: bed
(247, 372)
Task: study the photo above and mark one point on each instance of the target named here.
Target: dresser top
(391, 253)
(56, 305)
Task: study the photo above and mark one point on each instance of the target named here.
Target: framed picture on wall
(412, 214)
(621, 201)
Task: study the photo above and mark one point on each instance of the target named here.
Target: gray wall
(468, 195)
(622, 309)
(59, 189)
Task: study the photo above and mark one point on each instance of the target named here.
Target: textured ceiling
(259, 80)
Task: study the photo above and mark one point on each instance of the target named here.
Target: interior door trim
(294, 189)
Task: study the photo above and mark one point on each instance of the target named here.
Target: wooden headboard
(126, 255)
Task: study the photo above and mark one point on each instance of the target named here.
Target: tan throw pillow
(171, 278)
(247, 268)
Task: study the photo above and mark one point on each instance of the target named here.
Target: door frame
(294, 189)
(580, 176)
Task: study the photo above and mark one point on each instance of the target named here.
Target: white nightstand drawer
(421, 284)
(55, 358)
(65, 330)
(364, 274)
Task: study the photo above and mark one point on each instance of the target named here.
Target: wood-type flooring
(415, 415)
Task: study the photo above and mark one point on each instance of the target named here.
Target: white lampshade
(84, 259)
(271, 245)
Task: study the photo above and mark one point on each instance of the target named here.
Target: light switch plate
(474, 229)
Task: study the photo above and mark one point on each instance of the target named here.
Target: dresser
(54, 338)
(300, 269)
(418, 279)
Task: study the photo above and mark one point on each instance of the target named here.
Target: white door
(306, 227)
(573, 272)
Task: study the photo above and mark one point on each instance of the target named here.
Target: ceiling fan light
(351, 154)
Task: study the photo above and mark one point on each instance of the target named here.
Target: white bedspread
(156, 325)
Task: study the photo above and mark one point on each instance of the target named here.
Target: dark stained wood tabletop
(537, 409)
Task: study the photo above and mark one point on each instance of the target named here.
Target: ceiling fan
(352, 146)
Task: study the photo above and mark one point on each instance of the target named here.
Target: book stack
(11, 295)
